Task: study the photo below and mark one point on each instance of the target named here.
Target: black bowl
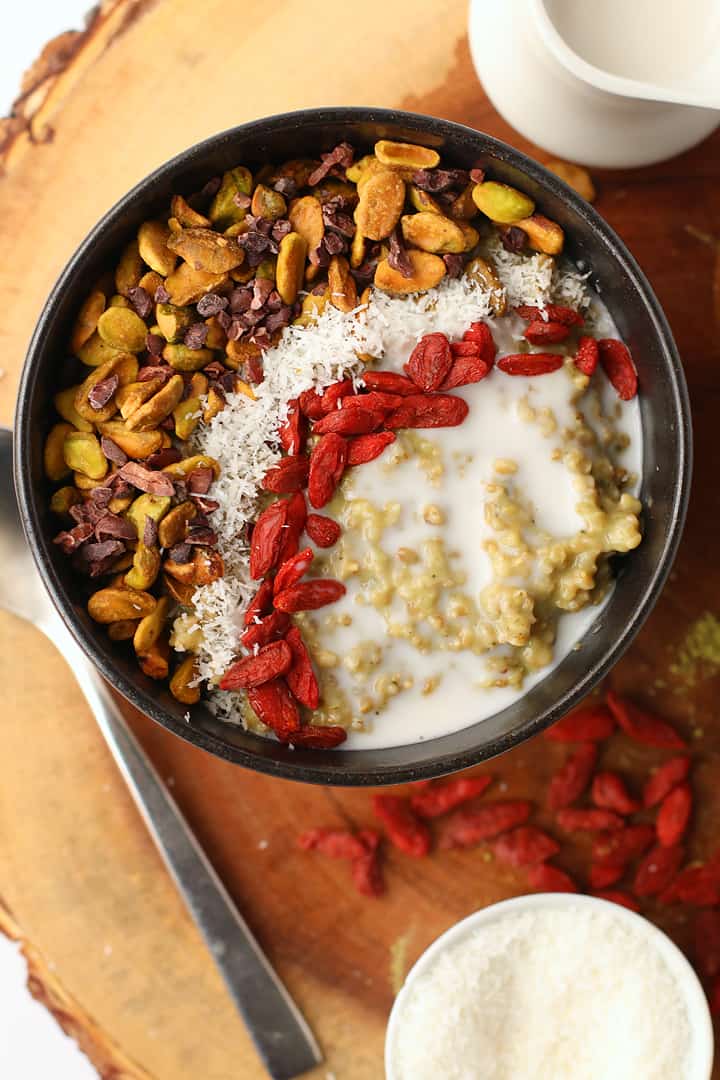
(665, 419)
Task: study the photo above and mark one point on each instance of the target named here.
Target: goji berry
(642, 726)
(389, 382)
(290, 474)
(479, 334)
(269, 628)
(664, 779)
(571, 820)
(428, 411)
(366, 448)
(674, 815)
(573, 777)
(294, 525)
(619, 368)
(268, 663)
(254, 369)
(465, 370)
(553, 312)
(657, 869)
(587, 355)
(292, 570)
(292, 430)
(530, 363)
(589, 724)
(335, 843)
(334, 393)
(706, 934)
(350, 422)
(602, 875)
(550, 878)
(405, 830)
(260, 604)
(371, 838)
(539, 332)
(300, 676)
(367, 874)
(697, 885)
(375, 399)
(466, 827)
(310, 404)
(610, 793)
(429, 362)
(621, 846)
(275, 707)
(327, 464)
(316, 737)
(309, 595)
(323, 531)
(465, 348)
(617, 896)
(266, 537)
(441, 798)
(525, 846)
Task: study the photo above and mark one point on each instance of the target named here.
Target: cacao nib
(155, 483)
(155, 371)
(241, 199)
(150, 532)
(162, 296)
(102, 392)
(398, 257)
(155, 344)
(513, 239)
(98, 559)
(199, 480)
(168, 455)
(71, 539)
(336, 220)
(341, 155)
(114, 527)
(453, 264)
(203, 537)
(211, 304)
(286, 186)
(278, 319)
(195, 335)
(477, 175)
(241, 299)
(140, 300)
(181, 553)
(262, 287)
(280, 229)
(437, 180)
(112, 451)
(204, 504)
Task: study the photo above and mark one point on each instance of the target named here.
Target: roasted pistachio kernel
(148, 416)
(95, 351)
(83, 454)
(183, 684)
(406, 154)
(129, 270)
(182, 358)
(433, 232)
(150, 627)
(428, 271)
(54, 461)
(291, 266)
(122, 630)
(380, 206)
(64, 402)
(267, 203)
(122, 365)
(63, 499)
(153, 239)
(183, 468)
(305, 216)
(87, 320)
(122, 328)
(543, 234)
(206, 250)
(129, 398)
(155, 663)
(501, 203)
(224, 211)
(173, 527)
(147, 505)
(423, 201)
(482, 270)
(119, 602)
(186, 284)
(145, 567)
(185, 216)
(136, 444)
(173, 321)
(341, 284)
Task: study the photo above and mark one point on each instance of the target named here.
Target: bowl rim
(335, 767)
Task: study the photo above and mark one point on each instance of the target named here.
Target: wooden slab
(110, 947)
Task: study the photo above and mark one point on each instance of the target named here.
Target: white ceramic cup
(688, 982)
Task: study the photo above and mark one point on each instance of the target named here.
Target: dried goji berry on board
(404, 828)
(525, 846)
(620, 847)
(553, 312)
(429, 362)
(293, 569)
(292, 431)
(309, 595)
(349, 422)
(274, 705)
(335, 843)
(294, 525)
(367, 874)
(260, 604)
(310, 404)
(602, 875)
(706, 934)
(465, 370)
(290, 474)
(592, 723)
(697, 885)
(617, 896)
(266, 537)
(549, 878)
(440, 798)
(375, 399)
(323, 531)
(316, 737)
(480, 335)
(269, 628)
(468, 827)
(664, 779)
(465, 348)
(587, 355)
(642, 726)
(618, 366)
(657, 869)
(530, 363)
(572, 820)
(610, 793)
(268, 663)
(366, 448)
(573, 777)
(327, 464)
(334, 393)
(300, 677)
(389, 382)
(428, 411)
(674, 815)
(539, 332)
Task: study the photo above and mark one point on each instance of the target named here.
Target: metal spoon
(279, 1031)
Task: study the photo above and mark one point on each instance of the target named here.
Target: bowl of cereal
(353, 446)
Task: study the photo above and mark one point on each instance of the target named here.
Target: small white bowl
(688, 982)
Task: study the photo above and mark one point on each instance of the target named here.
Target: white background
(32, 1046)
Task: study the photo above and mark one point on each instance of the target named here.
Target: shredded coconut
(562, 994)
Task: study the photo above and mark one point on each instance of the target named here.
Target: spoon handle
(280, 1033)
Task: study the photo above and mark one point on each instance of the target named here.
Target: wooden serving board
(111, 950)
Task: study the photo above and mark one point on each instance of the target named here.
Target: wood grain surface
(111, 949)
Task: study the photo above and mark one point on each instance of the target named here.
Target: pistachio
(238, 353)
(150, 627)
(206, 250)
(183, 468)
(305, 216)
(95, 351)
(186, 285)
(341, 284)
(543, 234)
(129, 270)
(502, 203)
(380, 205)
(173, 321)
(291, 266)
(267, 203)
(120, 504)
(432, 232)
(205, 567)
(155, 663)
(53, 455)
(243, 274)
(64, 402)
(576, 176)
(183, 683)
(63, 499)
(214, 404)
(136, 444)
(180, 593)
(122, 329)
(361, 171)
(463, 208)
(86, 322)
(216, 336)
(470, 235)
(124, 366)
(183, 358)
(145, 567)
(224, 211)
(85, 483)
(357, 249)
(148, 416)
(406, 154)
(330, 187)
(428, 271)
(119, 301)
(147, 505)
(186, 217)
(267, 269)
(83, 454)
(152, 240)
(151, 282)
(423, 200)
(131, 397)
(122, 630)
(187, 412)
(481, 270)
(173, 527)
